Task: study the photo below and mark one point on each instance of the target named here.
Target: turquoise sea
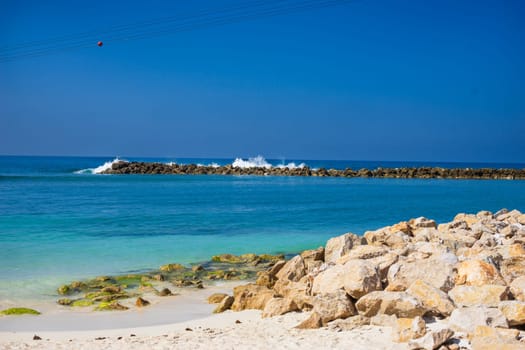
(61, 221)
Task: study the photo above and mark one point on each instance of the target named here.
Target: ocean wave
(101, 168)
(261, 162)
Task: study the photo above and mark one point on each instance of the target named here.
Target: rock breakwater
(436, 285)
(123, 167)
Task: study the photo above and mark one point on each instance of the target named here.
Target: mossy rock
(111, 306)
(129, 280)
(19, 311)
(227, 258)
(64, 301)
(111, 289)
(82, 303)
(65, 290)
(171, 267)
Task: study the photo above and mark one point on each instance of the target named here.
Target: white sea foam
(100, 169)
(256, 162)
(260, 162)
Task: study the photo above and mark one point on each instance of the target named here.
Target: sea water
(61, 221)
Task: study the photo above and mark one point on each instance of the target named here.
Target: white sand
(163, 326)
(214, 332)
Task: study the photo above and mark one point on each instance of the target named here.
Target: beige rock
(478, 273)
(349, 323)
(513, 268)
(356, 277)
(293, 270)
(362, 252)
(432, 298)
(216, 298)
(469, 219)
(489, 295)
(279, 306)
(514, 312)
(313, 259)
(400, 304)
(432, 340)
(338, 246)
(466, 319)
(402, 226)
(312, 322)
(251, 296)
(264, 278)
(332, 306)
(276, 267)
(521, 219)
(425, 234)
(484, 214)
(436, 272)
(488, 338)
(408, 328)
(384, 320)
(299, 292)
(517, 288)
(225, 304)
(383, 237)
(421, 222)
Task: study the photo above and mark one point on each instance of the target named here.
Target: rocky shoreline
(449, 286)
(123, 167)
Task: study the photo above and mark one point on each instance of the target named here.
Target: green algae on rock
(81, 303)
(19, 311)
(111, 306)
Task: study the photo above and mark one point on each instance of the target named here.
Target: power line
(208, 18)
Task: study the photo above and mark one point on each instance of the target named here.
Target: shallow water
(57, 225)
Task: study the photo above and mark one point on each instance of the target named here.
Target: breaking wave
(100, 169)
(260, 162)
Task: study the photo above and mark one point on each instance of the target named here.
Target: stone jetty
(453, 285)
(123, 167)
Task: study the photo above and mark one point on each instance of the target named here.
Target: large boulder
(407, 329)
(435, 272)
(279, 306)
(332, 306)
(363, 252)
(338, 246)
(478, 273)
(432, 298)
(251, 296)
(466, 319)
(513, 268)
(488, 295)
(299, 292)
(313, 258)
(225, 304)
(421, 222)
(432, 340)
(517, 288)
(293, 270)
(488, 338)
(400, 304)
(384, 237)
(514, 312)
(356, 277)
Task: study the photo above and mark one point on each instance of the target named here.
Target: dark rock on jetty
(405, 173)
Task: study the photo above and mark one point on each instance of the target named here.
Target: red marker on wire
(100, 43)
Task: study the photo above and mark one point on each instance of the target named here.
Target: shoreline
(154, 168)
(456, 285)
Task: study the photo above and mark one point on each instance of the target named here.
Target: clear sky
(438, 80)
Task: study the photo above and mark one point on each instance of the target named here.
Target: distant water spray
(100, 169)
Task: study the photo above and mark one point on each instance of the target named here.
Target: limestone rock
(279, 306)
(350, 323)
(478, 273)
(466, 319)
(408, 328)
(171, 267)
(251, 296)
(357, 277)
(225, 304)
(488, 338)
(513, 268)
(338, 246)
(431, 340)
(140, 302)
(514, 312)
(432, 298)
(435, 272)
(299, 292)
(293, 270)
(216, 298)
(383, 237)
(312, 322)
(363, 252)
(489, 295)
(384, 320)
(164, 292)
(400, 304)
(517, 288)
(332, 306)
(313, 255)
(421, 222)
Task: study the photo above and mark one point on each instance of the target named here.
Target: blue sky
(369, 80)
